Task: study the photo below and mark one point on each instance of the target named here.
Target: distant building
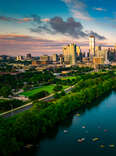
(1, 58)
(92, 45)
(112, 54)
(19, 58)
(98, 60)
(78, 49)
(28, 56)
(55, 58)
(115, 46)
(35, 63)
(45, 59)
(103, 54)
(85, 59)
(61, 58)
(98, 48)
(79, 53)
(70, 54)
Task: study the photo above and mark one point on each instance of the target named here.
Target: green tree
(5, 91)
(58, 88)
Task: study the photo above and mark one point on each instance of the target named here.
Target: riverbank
(25, 127)
(86, 124)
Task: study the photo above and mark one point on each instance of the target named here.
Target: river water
(96, 124)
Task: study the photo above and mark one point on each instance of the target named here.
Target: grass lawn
(68, 77)
(48, 88)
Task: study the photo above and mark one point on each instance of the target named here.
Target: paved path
(29, 105)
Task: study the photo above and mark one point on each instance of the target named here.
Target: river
(94, 125)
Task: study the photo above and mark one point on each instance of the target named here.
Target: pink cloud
(19, 44)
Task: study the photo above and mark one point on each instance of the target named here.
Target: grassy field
(48, 88)
(68, 77)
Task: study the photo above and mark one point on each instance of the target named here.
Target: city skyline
(44, 27)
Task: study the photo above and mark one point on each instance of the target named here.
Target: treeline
(27, 80)
(39, 95)
(25, 127)
(10, 104)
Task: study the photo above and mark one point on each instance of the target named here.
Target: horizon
(40, 28)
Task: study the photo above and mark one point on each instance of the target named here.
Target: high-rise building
(112, 54)
(92, 45)
(61, 58)
(78, 49)
(44, 59)
(28, 56)
(98, 48)
(70, 54)
(66, 54)
(98, 62)
(101, 55)
(115, 46)
(19, 58)
(55, 58)
(79, 53)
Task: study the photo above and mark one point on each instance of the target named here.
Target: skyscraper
(19, 58)
(92, 45)
(78, 50)
(45, 59)
(70, 54)
(54, 57)
(115, 46)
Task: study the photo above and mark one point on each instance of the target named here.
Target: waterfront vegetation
(24, 127)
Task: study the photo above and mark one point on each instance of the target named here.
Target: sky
(44, 26)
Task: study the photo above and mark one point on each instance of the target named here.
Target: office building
(78, 49)
(19, 58)
(28, 56)
(98, 60)
(45, 59)
(61, 58)
(55, 58)
(98, 48)
(92, 45)
(35, 63)
(70, 54)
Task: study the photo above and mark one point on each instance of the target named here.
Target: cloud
(19, 44)
(3, 18)
(12, 19)
(99, 9)
(99, 37)
(57, 25)
(78, 9)
(68, 27)
(45, 20)
(15, 44)
(80, 15)
(23, 20)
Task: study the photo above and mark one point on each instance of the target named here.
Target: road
(29, 105)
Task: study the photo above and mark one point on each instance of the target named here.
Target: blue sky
(36, 19)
